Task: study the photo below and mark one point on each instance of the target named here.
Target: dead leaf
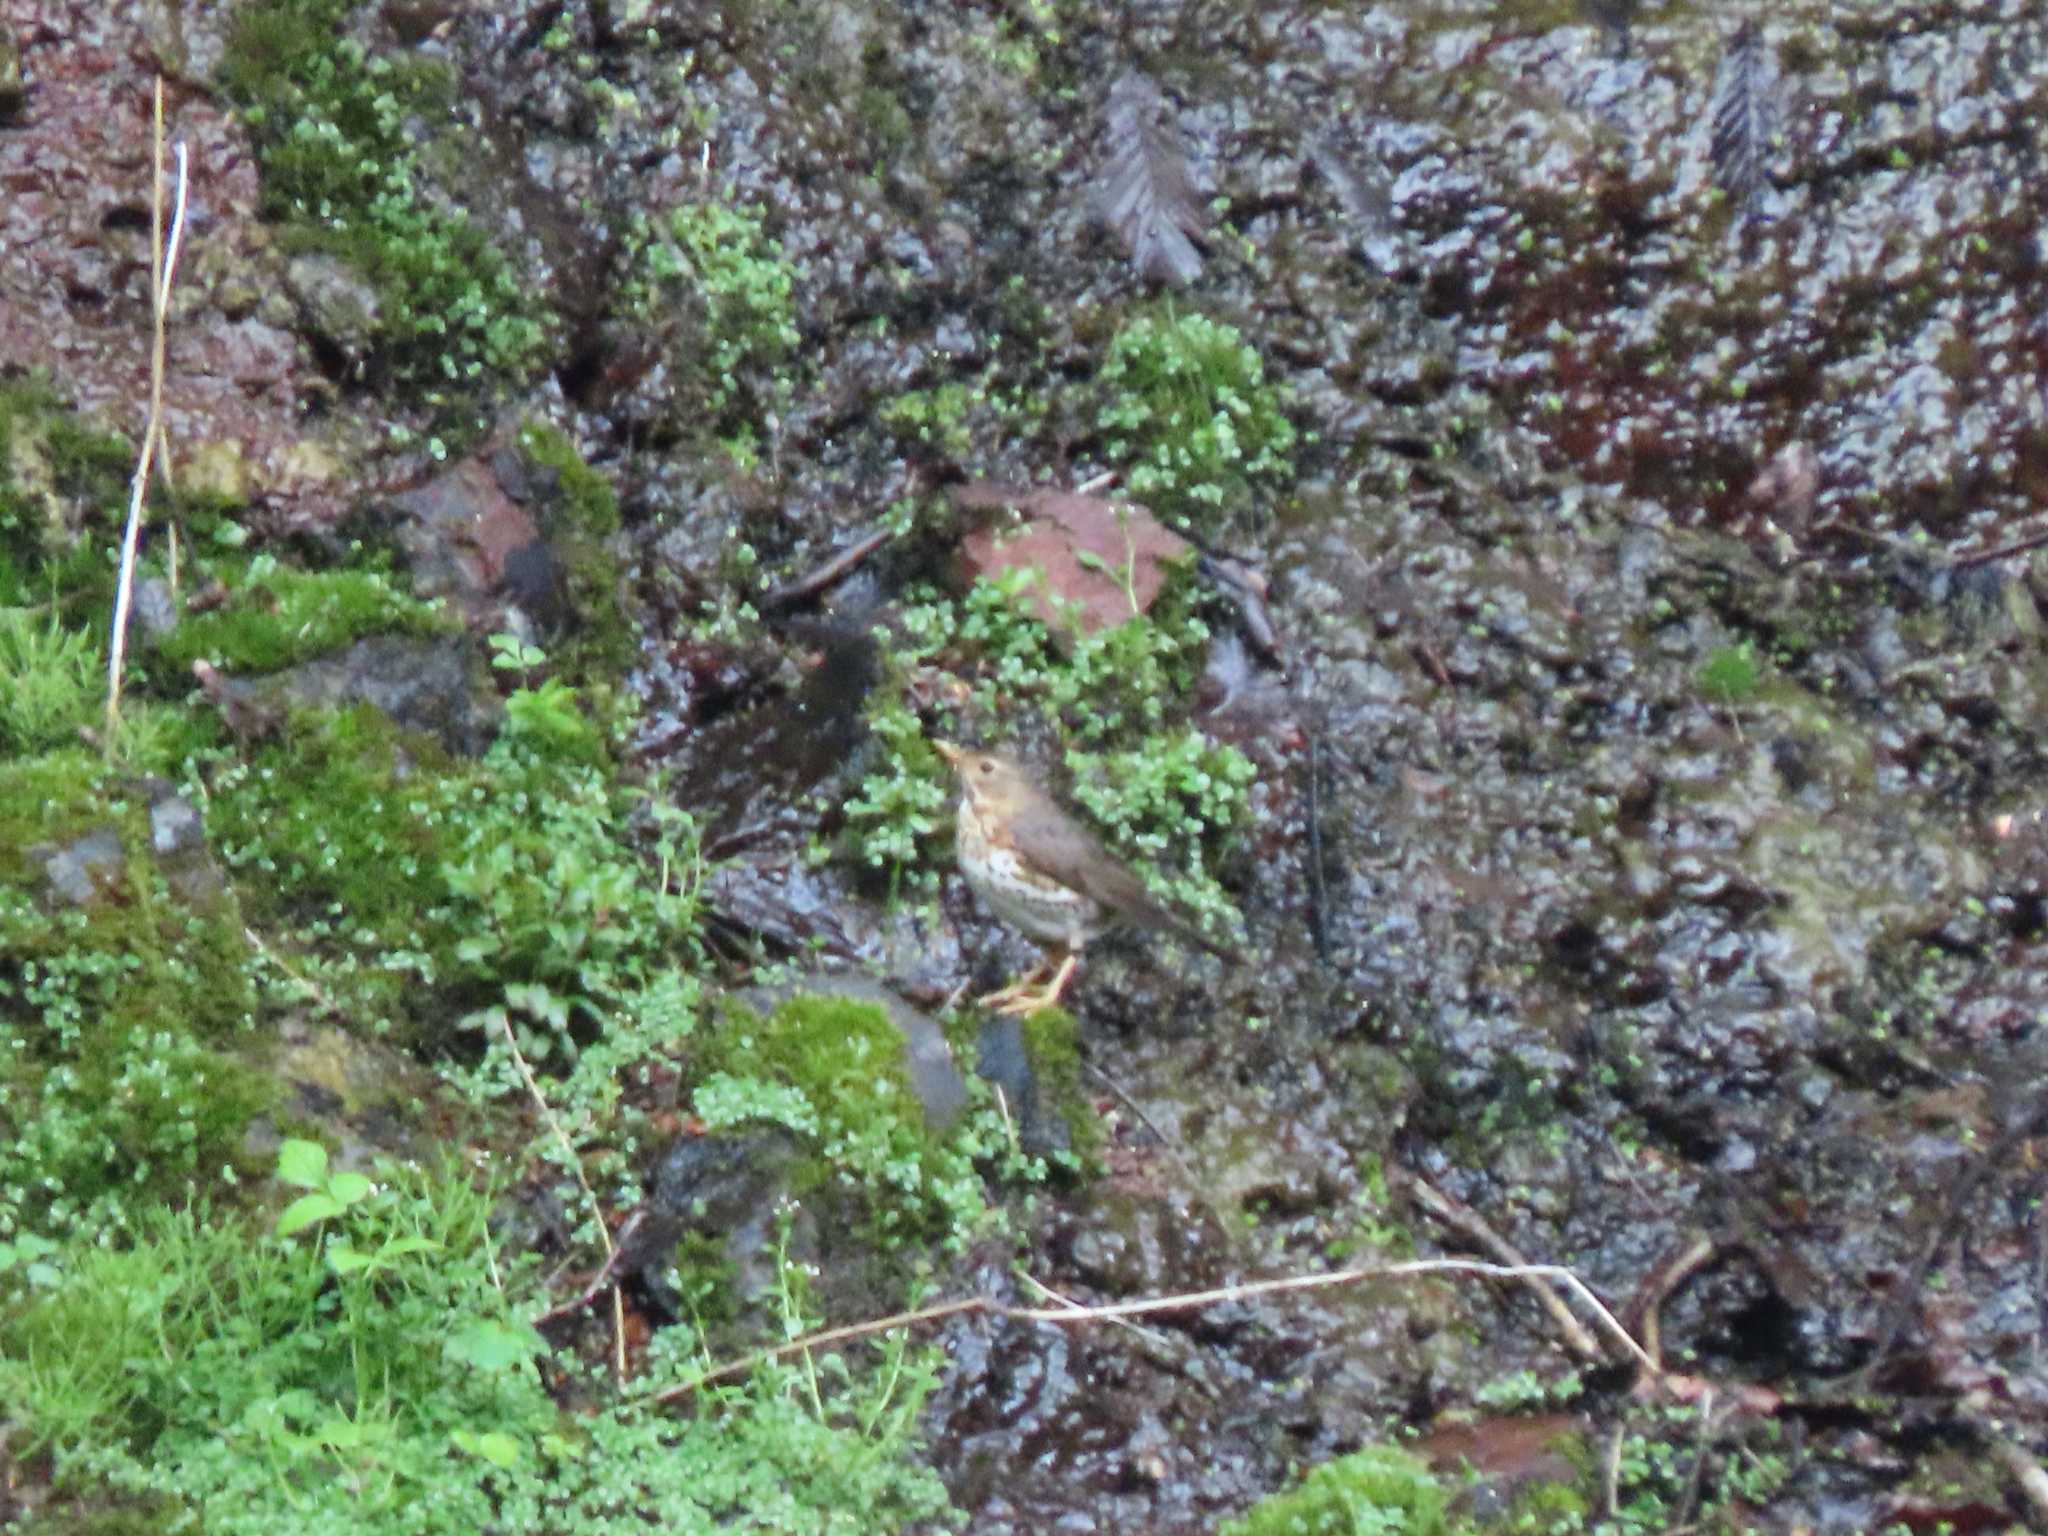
(1101, 562)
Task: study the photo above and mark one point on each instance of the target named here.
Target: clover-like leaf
(303, 1163)
(490, 1345)
(305, 1211)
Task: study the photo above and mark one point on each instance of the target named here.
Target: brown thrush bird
(1045, 874)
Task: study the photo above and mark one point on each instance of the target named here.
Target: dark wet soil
(1648, 852)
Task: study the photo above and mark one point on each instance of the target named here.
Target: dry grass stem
(163, 268)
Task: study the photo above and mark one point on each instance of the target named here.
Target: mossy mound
(833, 1070)
(275, 616)
(123, 1015)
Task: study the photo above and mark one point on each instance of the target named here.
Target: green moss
(40, 802)
(1052, 1042)
(277, 616)
(582, 518)
(117, 1018)
(63, 493)
(1379, 1491)
(832, 1070)
(346, 174)
(844, 1056)
(337, 832)
(1730, 674)
(587, 497)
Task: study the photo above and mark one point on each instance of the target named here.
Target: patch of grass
(346, 174)
(368, 1366)
(1190, 417)
(51, 681)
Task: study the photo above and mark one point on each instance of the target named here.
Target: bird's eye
(987, 767)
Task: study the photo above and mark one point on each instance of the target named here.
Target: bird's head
(987, 779)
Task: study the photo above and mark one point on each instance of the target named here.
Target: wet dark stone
(431, 685)
(178, 838)
(469, 541)
(1002, 1058)
(727, 1185)
(338, 310)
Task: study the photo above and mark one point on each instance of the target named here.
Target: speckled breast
(1043, 910)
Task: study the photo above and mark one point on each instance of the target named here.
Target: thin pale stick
(163, 267)
(561, 1136)
(989, 1307)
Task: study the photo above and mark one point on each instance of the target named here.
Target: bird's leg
(1048, 996)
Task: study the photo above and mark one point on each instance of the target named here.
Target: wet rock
(81, 871)
(178, 839)
(727, 1185)
(338, 310)
(468, 541)
(424, 684)
(368, 1099)
(1100, 562)
(1133, 1242)
(1003, 1059)
(155, 610)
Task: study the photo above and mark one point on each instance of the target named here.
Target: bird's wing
(1054, 842)
(1049, 839)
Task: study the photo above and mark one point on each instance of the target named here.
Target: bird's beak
(949, 752)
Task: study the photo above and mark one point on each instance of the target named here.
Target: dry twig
(575, 1167)
(988, 1306)
(163, 266)
(1462, 1218)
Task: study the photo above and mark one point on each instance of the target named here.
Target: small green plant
(346, 172)
(831, 1071)
(1379, 1491)
(901, 805)
(51, 681)
(1163, 794)
(1730, 675)
(367, 1366)
(1188, 415)
(717, 263)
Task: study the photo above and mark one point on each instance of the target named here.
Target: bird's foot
(1002, 997)
(1024, 1000)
